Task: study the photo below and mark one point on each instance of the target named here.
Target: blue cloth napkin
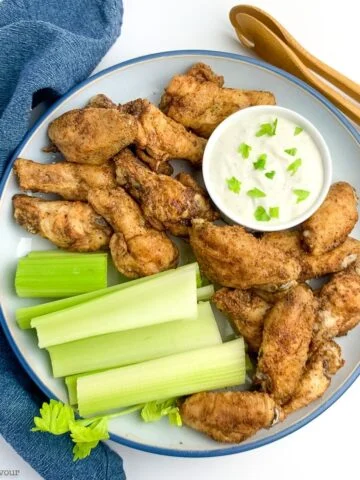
(46, 46)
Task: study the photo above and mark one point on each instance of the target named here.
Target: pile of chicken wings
(117, 191)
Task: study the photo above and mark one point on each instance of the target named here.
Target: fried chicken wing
(246, 312)
(333, 221)
(70, 225)
(323, 362)
(159, 138)
(313, 266)
(166, 202)
(100, 101)
(92, 135)
(137, 249)
(230, 256)
(285, 344)
(339, 304)
(199, 102)
(229, 416)
(69, 180)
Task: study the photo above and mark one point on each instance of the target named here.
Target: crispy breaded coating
(100, 101)
(92, 135)
(137, 249)
(159, 138)
(312, 266)
(166, 202)
(231, 257)
(285, 344)
(69, 180)
(198, 100)
(323, 362)
(246, 312)
(339, 305)
(70, 225)
(229, 416)
(333, 221)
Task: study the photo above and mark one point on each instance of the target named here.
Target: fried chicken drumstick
(229, 416)
(70, 225)
(166, 202)
(137, 249)
(69, 180)
(199, 101)
(92, 135)
(234, 258)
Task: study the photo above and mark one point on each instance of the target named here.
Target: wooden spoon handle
(344, 83)
(273, 50)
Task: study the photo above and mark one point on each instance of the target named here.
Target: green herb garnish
(267, 129)
(155, 410)
(301, 195)
(261, 215)
(260, 162)
(256, 193)
(244, 150)
(294, 166)
(274, 212)
(291, 151)
(233, 184)
(270, 175)
(298, 130)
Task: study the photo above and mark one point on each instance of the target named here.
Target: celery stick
(162, 299)
(180, 374)
(71, 384)
(136, 345)
(24, 315)
(60, 275)
(205, 293)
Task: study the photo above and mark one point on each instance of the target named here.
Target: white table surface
(328, 447)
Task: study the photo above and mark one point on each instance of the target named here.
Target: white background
(328, 447)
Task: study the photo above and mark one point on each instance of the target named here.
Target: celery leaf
(55, 418)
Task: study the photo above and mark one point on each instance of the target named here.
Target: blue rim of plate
(122, 440)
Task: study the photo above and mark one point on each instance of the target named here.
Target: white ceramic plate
(146, 77)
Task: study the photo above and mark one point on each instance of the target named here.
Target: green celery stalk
(60, 275)
(24, 315)
(184, 373)
(137, 345)
(205, 293)
(159, 300)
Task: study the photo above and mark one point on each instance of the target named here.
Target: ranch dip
(266, 169)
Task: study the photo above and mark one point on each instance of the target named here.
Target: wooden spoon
(277, 48)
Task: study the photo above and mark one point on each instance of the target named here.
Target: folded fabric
(47, 46)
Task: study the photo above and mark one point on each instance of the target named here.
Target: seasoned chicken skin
(100, 101)
(199, 102)
(333, 221)
(323, 362)
(70, 225)
(159, 138)
(92, 135)
(312, 266)
(246, 312)
(339, 304)
(69, 180)
(229, 416)
(137, 249)
(230, 256)
(165, 201)
(285, 344)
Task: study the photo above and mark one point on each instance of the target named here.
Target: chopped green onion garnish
(298, 130)
(270, 175)
(301, 195)
(256, 193)
(294, 166)
(244, 150)
(260, 162)
(233, 184)
(291, 151)
(261, 215)
(274, 212)
(267, 129)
